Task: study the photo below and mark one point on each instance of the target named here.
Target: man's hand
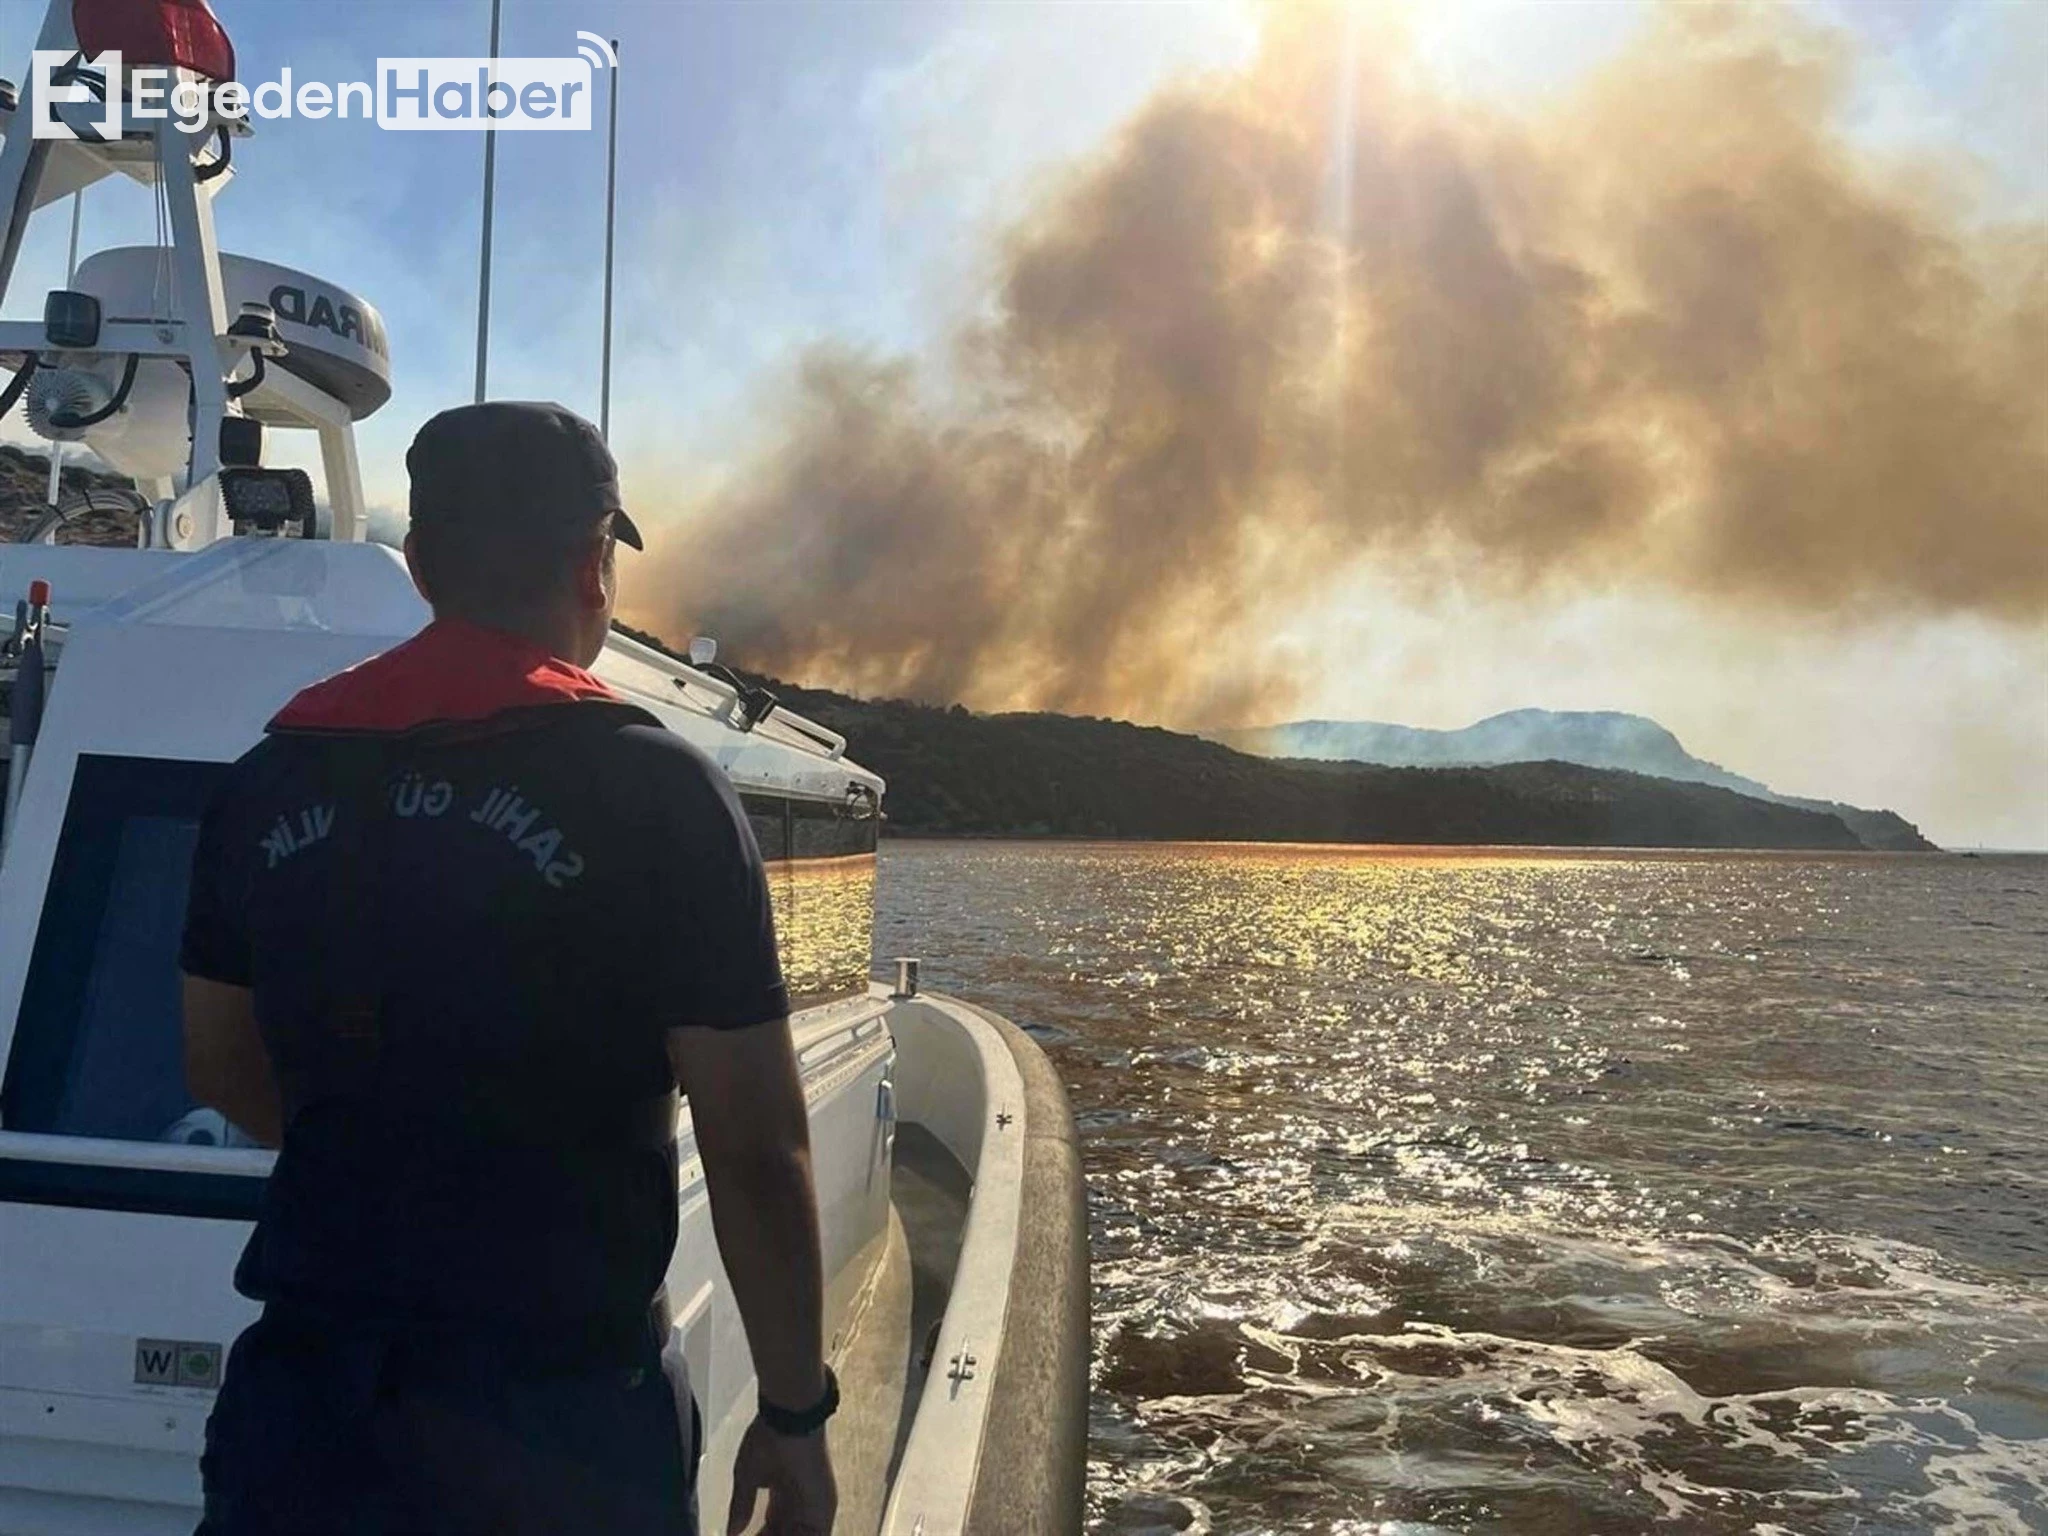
(797, 1475)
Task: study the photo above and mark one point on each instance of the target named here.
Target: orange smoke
(1674, 328)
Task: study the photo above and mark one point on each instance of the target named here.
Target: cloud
(1672, 329)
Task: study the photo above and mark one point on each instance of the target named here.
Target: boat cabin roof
(191, 654)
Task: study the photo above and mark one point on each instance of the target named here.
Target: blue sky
(786, 173)
(792, 173)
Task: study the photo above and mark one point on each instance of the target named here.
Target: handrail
(161, 1156)
(833, 744)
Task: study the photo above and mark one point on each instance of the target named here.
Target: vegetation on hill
(954, 772)
(100, 506)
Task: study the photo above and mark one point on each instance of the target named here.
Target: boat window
(820, 831)
(821, 879)
(769, 815)
(809, 829)
(98, 1045)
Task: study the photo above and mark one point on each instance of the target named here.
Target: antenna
(483, 281)
(611, 183)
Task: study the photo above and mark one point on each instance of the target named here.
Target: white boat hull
(86, 1448)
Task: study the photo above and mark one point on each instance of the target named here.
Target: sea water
(1499, 1191)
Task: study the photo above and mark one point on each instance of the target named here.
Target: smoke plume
(1672, 328)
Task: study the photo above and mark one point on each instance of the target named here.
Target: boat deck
(885, 1354)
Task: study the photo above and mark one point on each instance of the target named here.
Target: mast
(70, 277)
(483, 282)
(611, 181)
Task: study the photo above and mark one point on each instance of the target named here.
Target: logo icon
(57, 79)
(176, 1363)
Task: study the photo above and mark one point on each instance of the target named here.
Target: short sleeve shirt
(536, 906)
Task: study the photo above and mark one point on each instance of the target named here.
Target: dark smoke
(1675, 329)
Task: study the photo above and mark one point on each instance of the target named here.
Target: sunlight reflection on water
(1507, 1191)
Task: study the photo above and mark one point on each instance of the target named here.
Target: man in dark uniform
(459, 926)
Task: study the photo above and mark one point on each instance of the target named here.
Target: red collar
(451, 671)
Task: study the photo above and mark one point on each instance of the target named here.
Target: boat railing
(796, 729)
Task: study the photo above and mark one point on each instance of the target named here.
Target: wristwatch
(804, 1421)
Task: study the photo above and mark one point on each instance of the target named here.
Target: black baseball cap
(525, 465)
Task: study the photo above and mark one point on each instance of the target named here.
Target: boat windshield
(98, 1048)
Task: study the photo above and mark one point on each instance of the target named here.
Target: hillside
(1053, 775)
(102, 504)
(1592, 738)
(1041, 775)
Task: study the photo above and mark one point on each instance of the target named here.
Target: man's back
(466, 944)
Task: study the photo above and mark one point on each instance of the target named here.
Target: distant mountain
(1591, 738)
